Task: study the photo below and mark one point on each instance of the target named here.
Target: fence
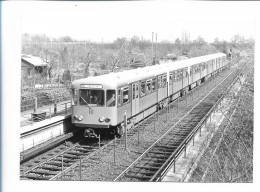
(47, 112)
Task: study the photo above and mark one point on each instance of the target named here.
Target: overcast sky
(109, 20)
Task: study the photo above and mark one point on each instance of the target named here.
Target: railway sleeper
(44, 172)
(147, 167)
(71, 156)
(158, 155)
(75, 153)
(51, 168)
(55, 163)
(161, 152)
(148, 172)
(89, 147)
(154, 159)
(142, 177)
(172, 147)
(65, 160)
(37, 177)
(85, 151)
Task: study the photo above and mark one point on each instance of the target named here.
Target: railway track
(62, 158)
(153, 163)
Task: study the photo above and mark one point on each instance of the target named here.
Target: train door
(135, 98)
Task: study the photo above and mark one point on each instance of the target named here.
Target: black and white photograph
(119, 93)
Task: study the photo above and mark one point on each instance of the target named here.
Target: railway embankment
(228, 155)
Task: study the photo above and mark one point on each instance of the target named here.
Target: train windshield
(91, 97)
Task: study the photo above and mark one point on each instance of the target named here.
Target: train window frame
(153, 84)
(119, 98)
(123, 90)
(142, 94)
(164, 80)
(89, 103)
(173, 76)
(107, 97)
(133, 90)
(159, 77)
(181, 74)
(186, 72)
(149, 81)
(170, 78)
(137, 90)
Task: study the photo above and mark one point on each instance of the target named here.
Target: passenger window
(125, 95)
(137, 89)
(181, 77)
(148, 86)
(186, 72)
(142, 88)
(164, 81)
(170, 79)
(153, 84)
(159, 81)
(119, 97)
(133, 85)
(111, 98)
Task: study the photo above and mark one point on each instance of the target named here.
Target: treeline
(78, 57)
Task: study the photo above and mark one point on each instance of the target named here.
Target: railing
(34, 143)
(42, 113)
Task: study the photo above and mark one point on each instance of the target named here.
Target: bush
(44, 98)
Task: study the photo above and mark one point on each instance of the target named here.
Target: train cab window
(91, 97)
(111, 98)
(191, 70)
(125, 95)
(153, 84)
(142, 88)
(74, 96)
(164, 81)
(148, 86)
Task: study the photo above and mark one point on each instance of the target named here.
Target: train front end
(94, 106)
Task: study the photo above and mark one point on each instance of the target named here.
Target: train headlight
(107, 119)
(101, 119)
(80, 118)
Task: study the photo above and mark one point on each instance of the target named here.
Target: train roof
(114, 80)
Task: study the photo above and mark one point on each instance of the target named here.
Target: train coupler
(90, 133)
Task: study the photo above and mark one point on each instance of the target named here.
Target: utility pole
(152, 47)
(156, 47)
